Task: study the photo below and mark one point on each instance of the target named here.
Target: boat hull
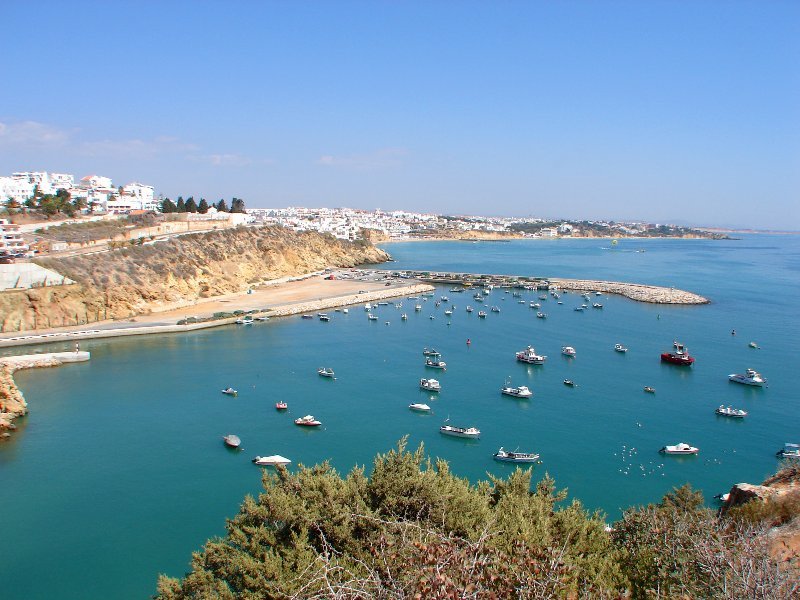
(677, 359)
(745, 381)
(460, 434)
(531, 459)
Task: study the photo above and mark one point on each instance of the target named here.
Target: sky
(660, 111)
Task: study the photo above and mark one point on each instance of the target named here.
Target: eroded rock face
(744, 492)
(12, 403)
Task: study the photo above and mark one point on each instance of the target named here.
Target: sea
(119, 472)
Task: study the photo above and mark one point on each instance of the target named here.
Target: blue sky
(662, 111)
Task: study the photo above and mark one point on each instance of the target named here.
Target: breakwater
(635, 291)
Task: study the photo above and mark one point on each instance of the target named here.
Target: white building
(11, 242)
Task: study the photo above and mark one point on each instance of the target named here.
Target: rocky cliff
(140, 279)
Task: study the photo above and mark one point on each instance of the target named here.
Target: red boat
(281, 406)
(680, 356)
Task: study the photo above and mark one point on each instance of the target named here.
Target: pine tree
(181, 205)
(221, 206)
(202, 208)
(191, 205)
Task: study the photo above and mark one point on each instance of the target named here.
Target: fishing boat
(230, 391)
(465, 432)
(430, 352)
(529, 356)
(541, 315)
(324, 317)
(789, 451)
(368, 307)
(469, 309)
(271, 461)
(372, 317)
(404, 317)
(679, 356)
(307, 421)
(448, 312)
(306, 316)
(482, 314)
(418, 307)
(579, 308)
(649, 390)
(246, 320)
(751, 377)
(569, 382)
(535, 305)
(568, 351)
(753, 345)
(597, 305)
(496, 309)
(325, 372)
(435, 363)
(420, 407)
(232, 441)
(281, 405)
(517, 392)
(620, 348)
(681, 448)
(430, 385)
(727, 411)
(517, 457)
(262, 318)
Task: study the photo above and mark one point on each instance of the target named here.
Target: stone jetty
(12, 402)
(335, 302)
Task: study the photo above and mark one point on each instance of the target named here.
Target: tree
(168, 206)
(237, 205)
(221, 206)
(191, 205)
(181, 205)
(202, 208)
(12, 205)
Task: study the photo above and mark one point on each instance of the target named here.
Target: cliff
(141, 279)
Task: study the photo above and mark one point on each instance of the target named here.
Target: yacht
(435, 363)
(325, 371)
(517, 457)
(448, 312)
(620, 348)
(680, 355)
(418, 406)
(307, 421)
(789, 451)
(468, 432)
(430, 385)
(273, 461)
(681, 448)
(751, 377)
(568, 351)
(232, 441)
(529, 356)
(731, 412)
(518, 392)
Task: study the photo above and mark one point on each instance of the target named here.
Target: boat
(541, 315)
(751, 377)
(517, 457)
(368, 307)
(307, 421)
(518, 392)
(448, 312)
(306, 316)
(404, 317)
(325, 371)
(681, 448)
(262, 318)
(281, 405)
(324, 317)
(568, 351)
(445, 299)
(753, 345)
(430, 385)
(478, 298)
(372, 317)
(789, 451)
(398, 305)
(727, 411)
(535, 305)
(246, 320)
(496, 309)
(271, 461)
(586, 296)
(465, 432)
(578, 309)
(620, 348)
(345, 310)
(723, 497)
(529, 356)
(569, 382)
(230, 391)
(597, 305)
(383, 304)
(469, 309)
(418, 406)
(418, 307)
(680, 355)
(435, 363)
(649, 390)
(542, 296)
(232, 441)
(430, 352)
(482, 314)
(457, 290)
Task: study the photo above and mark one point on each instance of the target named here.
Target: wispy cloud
(229, 160)
(384, 158)
(32, 133)
(135, 148)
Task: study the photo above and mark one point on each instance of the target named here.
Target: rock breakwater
(635, 291)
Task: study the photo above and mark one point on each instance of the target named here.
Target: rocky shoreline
(635, 291)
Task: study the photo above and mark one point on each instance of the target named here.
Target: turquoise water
(119, 472)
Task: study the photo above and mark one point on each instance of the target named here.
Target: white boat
(445, 299)
(431, 385)
(753, 345)
(430, 352)
(727, 411)
(529, 356)
(448, 312)
(597, 305)
(324, 317)
(273, 461)
(368, 307)
(325, 371)
(418, 307)
(230, 391)
(435, 363)
(262, 318)
(681, 448)
(751, 377)
(246, 320)
(578, 309)
(469, 309)
(517, 457)
(231, 440)
(307, 421)
(372, 317)
(482, 314)
(496, 309)
(541, 315)
(789, 451)
(620, 348)
(568, 351)
(418, 406)
(404, 317)
(535, 305)
(468, 432)
(518, 392)
(345, 310)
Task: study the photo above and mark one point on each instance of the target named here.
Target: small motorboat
(419, 407)
(281, 405)
(751, 377)
(568, 351)
(727, 411)
(535, 305)
(307, 316)
(448, 312)
(620, 348)
(680, 356)
(465, 432)
(324, 317)
(723, 497)
(404, 317)
(262, 318)
(246, 320)
(418, 307)
(372, 317)
(230, 391)
(597, 305)
(345, 311)
(482, 314)
(578, 309)
(517, 457)
(649, 390)
(754, 345)
(517, 392)
(271, 461)
(496, 309)
(325, 372)
(430, 385)
(435, 363)
(430, 352)
(232, 441)
(569, 382)
(681, 448)
(469, 308)
(789, 451)
(541, 315)
(529, 356)
(307, 421)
